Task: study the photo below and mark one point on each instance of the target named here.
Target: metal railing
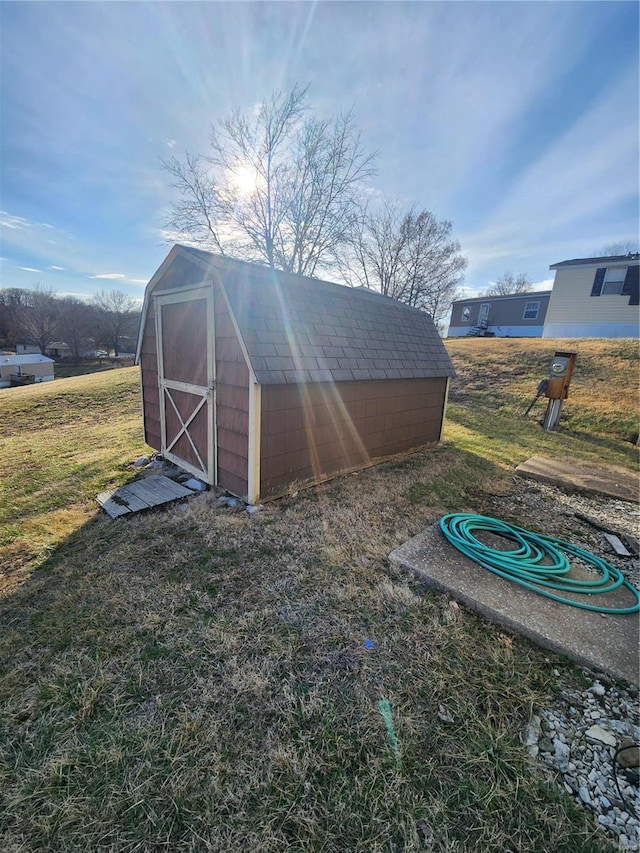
(21, 379)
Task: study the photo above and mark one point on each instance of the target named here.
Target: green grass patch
(195, 679)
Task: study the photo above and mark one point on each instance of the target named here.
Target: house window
(531, 310)
(466, 314)
(613, 281)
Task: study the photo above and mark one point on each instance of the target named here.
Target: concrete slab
(606, 480)
(605, 642)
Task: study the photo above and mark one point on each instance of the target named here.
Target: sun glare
(244, 179)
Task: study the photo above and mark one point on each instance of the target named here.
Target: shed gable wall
(312, 431)
(149, 378)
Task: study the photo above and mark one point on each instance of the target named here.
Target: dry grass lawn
(196, 679)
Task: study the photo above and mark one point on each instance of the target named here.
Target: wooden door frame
(169, 297)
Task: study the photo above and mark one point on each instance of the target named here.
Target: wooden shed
(259, 381)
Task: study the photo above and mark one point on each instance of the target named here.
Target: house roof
(298, 329)
(631, 258)
(531, 294)
(24, 358)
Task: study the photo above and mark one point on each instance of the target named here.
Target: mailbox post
(557, 389)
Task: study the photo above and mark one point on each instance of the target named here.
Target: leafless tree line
(40, 316)
(286, 188)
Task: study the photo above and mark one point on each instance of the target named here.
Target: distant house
(60, 349)
(25, 369)
(26, 345)
(259, 381)
(516, 315)
(594, 298)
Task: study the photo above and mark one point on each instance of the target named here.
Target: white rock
(583, 793)
(597, 689)
(562, 753)
(532, 731)
(596, 734)
(195, 485)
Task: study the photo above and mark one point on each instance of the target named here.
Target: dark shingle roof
(299, 329)
(530, 294)
(612, 259)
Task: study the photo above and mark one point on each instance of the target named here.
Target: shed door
(184, 328)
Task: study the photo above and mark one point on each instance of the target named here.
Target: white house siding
(574, 313)
(590, 330)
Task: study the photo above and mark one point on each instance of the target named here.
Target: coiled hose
(539, 563)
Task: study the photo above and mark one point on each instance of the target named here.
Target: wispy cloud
(19, 223)
(15, 223)
(171, 143)
(29, 269)
(545, 284)
(111, 276)
(54, 267)
(138, 280)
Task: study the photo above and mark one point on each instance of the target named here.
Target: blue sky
(517, 121)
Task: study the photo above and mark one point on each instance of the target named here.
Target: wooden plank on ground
(158, 490)
(140, 495)
(113, 509)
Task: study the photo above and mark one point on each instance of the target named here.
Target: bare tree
(75, 324)
(39, 318)
(13, 301)
(508, 284)
(277, 186)
(116, 315)
(409, 256)
(620, 247)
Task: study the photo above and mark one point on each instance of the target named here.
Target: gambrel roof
(298, 329)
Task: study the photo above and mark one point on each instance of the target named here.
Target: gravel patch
(550, 510)
(578, 735)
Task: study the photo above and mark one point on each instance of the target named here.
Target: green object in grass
(537, 562)
(384, 706)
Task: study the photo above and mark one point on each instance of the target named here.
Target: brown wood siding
(232, 404)
(184, 336)
(149, 372)
(312, 431)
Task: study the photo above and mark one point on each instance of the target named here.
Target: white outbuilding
(25, 369)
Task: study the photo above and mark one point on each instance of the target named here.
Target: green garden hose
(539, 563)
